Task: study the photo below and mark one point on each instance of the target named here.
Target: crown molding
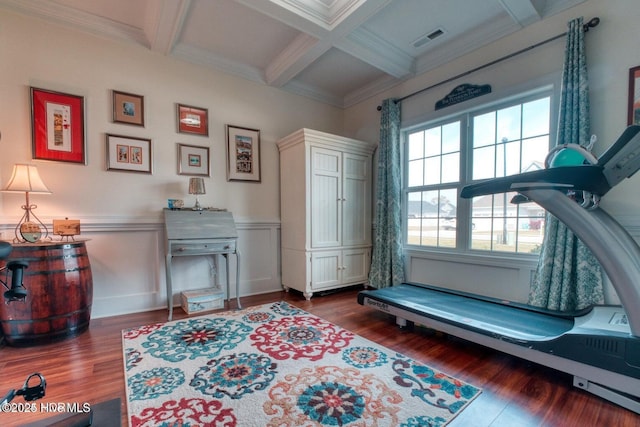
(313, 92)
(370, 90)
(82, 21)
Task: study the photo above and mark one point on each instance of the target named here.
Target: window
(441, 158)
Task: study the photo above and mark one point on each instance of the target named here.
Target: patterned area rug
(277, 365)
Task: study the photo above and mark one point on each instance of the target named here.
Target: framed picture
(193, 160)
(633, 115)
(128, 108)
(243, 154)
(57, 126)
(193, 120)
(125, 153)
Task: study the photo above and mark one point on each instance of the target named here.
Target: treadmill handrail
(577, 178)
(611, 244)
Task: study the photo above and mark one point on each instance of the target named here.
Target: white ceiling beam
(320, 31)
(297, 56)
(288, 16)
(524, 12)
(377, 52)
(164, 23)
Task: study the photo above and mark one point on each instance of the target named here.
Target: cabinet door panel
(356, 200)
(325, 269)
(355, 265)
(326, 204)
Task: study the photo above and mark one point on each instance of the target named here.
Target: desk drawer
(222, 246)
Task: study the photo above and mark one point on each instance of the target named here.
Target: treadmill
(599, 346)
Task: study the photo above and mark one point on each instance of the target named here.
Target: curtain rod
(585, 27)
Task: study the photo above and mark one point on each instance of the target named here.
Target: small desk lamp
(25, 178)
(196, 186)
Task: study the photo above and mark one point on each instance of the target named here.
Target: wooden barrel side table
(59, 284)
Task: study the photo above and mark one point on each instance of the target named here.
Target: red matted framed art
(57, 126)
(193, 120)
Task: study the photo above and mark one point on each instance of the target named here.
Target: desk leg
(237, 279)
(169, 287)
(226, 260)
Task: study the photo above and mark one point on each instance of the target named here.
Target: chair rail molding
(128, 262)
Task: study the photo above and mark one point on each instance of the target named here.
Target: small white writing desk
(192, 233)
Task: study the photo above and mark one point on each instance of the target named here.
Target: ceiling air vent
(429, 37)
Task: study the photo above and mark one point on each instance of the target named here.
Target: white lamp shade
(25, 178)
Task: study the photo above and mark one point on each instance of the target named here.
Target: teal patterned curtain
(387, 268)
(568, 277)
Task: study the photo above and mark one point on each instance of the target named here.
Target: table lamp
(25, 178)
(196, 186)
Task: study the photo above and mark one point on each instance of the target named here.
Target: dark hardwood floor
(89, 368)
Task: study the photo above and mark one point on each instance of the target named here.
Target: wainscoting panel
(483, 276)
(128, 264)
(128, 270)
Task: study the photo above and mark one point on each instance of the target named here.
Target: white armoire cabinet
(325, 209)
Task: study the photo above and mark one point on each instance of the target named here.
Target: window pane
(416, 145)
(430, 204)
(509, 123)
(535, 117)
(432, 141)
(415, 173)
(447, 215)
(451, 137)
(481, 234)
(534, 151)
(448, 201)
(484, 163)
(501, 160)
(451, 167)
(430, 218)
(513, 158)
(414, 217)
(484, 129)
(432, 171)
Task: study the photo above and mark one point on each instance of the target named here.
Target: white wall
(612, 48)
(121, 212)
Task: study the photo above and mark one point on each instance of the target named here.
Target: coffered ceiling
(335, 51)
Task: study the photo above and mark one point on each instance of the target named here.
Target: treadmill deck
(494, 318)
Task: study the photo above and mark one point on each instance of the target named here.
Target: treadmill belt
(483, 316)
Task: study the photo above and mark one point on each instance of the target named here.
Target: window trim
(465, 116)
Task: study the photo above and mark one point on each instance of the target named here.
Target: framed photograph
(193, 160)
(125, 153)
(633, 115)
(128, 108)
(193, 120)
(243, 154)
(57, 126)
